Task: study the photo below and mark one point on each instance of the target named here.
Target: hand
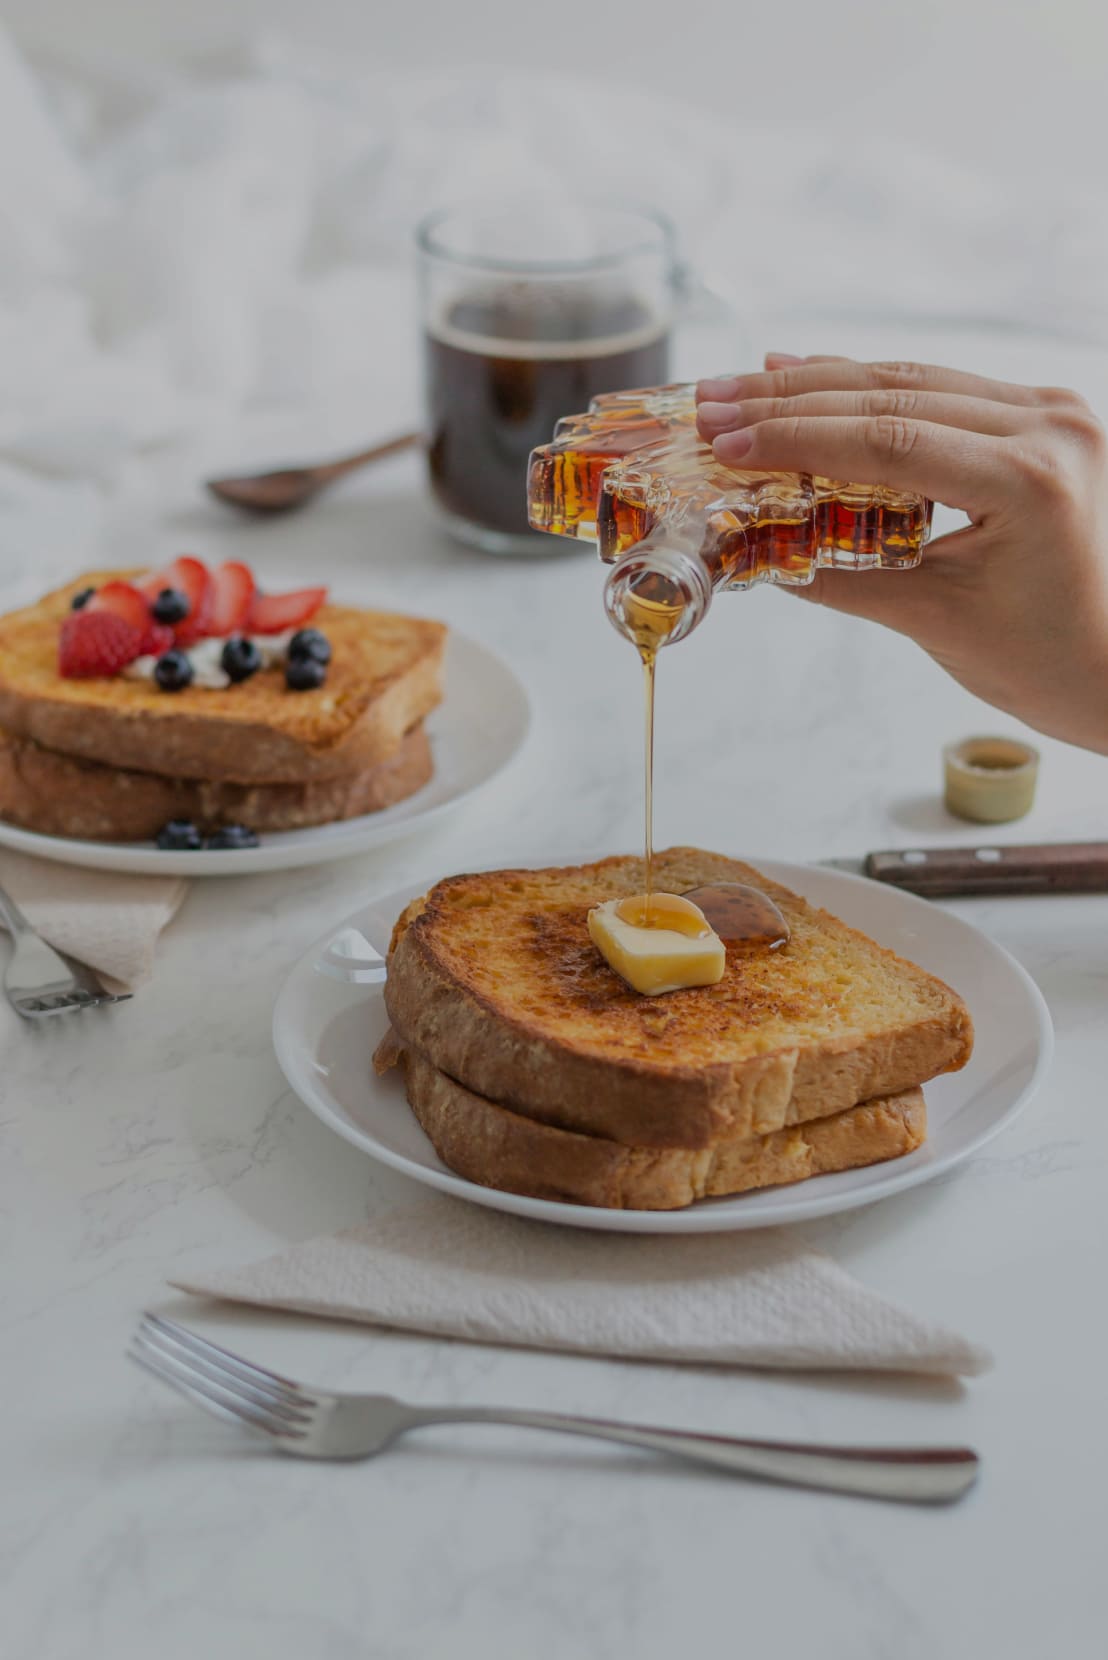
(1015, 606)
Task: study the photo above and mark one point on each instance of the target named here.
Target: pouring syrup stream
(651, 612)
(742, 916)
(649, 668)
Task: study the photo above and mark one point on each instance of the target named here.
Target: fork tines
(220, 1382)
(62, 1002)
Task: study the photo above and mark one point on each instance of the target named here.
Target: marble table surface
(163, 1138)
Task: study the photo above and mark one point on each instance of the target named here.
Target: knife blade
(950, 872)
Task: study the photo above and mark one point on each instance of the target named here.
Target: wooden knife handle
(1059, 867)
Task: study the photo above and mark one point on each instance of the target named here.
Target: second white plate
(330, 1016)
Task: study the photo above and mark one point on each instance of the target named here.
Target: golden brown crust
(495, 981)
(498, 1148)
(385, 676)
(58, 795)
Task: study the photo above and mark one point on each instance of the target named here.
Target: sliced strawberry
(190, 575)
(95, 643)
(157, 639)
(232, 592)
(124, 600)
(192, 578)
(273, 613)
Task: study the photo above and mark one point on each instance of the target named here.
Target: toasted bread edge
(60, 795)
(494, 1147)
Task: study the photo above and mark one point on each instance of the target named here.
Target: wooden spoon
(289, 487)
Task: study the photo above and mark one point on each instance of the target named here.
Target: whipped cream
(206, 655)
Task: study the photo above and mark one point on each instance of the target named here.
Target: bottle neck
(655, 596)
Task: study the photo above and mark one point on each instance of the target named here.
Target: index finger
(969, 470)
(841, 374)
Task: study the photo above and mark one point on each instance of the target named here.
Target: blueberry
(309, 642)
(233, 836)
(180, 835)
(171, 606)
(303, 674)
(79, 601)
(240, 658)
(173, 672)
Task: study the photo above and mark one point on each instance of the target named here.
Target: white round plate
(478, 728)
(330, 1015)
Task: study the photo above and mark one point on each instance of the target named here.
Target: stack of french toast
(535, 1068)
(131, 701)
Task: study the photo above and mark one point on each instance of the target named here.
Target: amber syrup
(741, 916)
(651, 618)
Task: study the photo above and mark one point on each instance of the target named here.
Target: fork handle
(931, 1475)
(17, 923)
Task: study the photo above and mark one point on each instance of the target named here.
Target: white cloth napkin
(110, 922)
(456, 1270)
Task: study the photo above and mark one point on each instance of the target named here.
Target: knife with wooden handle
(947, 872)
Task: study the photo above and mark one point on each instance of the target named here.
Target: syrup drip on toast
(741, 915)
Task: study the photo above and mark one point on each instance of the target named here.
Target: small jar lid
(990, 780)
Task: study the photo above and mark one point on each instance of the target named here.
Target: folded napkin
(456, 1270)
(110, 922)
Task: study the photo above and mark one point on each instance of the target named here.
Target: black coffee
(502, 370)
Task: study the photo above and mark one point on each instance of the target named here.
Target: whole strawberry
(94, 643)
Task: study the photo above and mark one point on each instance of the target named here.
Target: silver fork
(41, 981)
(315, 1423)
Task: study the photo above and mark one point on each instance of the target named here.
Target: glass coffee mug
(518, 331)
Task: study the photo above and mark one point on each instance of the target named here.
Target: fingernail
(721, 417)
(723, 390)
(732, 446)
(779, 360)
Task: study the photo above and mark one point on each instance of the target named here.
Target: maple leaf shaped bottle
(633, 475)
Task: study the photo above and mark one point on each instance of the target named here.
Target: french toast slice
(494, 980)
(385, 675)
(59, 795)
(496, 1147)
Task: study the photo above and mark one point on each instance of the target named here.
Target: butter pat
(656, 960)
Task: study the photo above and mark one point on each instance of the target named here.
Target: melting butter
(655, 959)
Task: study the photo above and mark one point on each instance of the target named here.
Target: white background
(1002, 82)
(164, 1139)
